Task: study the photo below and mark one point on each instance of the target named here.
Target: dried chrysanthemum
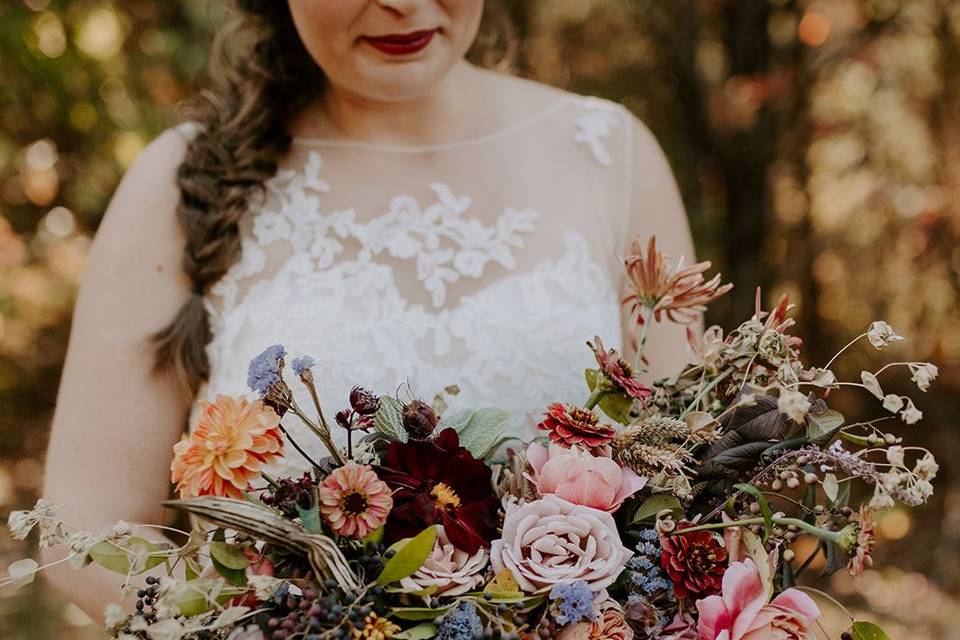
(857, 541)
(617, 371)
(680, 293)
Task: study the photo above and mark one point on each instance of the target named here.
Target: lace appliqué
(446, 244)
(597, 124)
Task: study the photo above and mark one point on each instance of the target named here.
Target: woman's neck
(451, 110)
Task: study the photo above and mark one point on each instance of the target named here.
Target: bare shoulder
(137, 249)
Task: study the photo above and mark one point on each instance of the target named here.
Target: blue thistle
(646, 575)
(264, 369)
(461, 623)
(299, 365)
(572, 602)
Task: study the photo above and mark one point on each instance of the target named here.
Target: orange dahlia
(234, 440)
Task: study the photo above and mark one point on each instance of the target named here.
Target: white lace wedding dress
(487, 263)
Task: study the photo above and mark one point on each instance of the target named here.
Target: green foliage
(867, 631)
(111, 556)
(479, 430)
(410, 556)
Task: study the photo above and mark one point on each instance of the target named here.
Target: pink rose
(742, 612)
(550, 541)
(451, 571)
(582, 478)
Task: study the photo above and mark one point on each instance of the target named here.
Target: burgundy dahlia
(569, 425)
(694, 561)
(439, 482)
(618, 371)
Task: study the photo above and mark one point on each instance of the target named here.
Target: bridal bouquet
(673, 510)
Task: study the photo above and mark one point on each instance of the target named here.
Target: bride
(356, 189)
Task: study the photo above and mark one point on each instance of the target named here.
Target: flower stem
(595, 395)
(849, 344)
(646, 315)
(823, 534)
(703, 392)
(321, 431)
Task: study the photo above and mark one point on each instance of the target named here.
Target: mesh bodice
(486, 263)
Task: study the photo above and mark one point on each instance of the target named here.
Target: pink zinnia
(570, 426)
(354, 501)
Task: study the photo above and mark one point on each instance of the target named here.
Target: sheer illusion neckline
(308, 141)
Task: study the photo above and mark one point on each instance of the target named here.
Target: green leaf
(653, 505)
(389, 419)
(236, 577)
(110, 556)
(419, 613)
(482, 430)
(823, 423)
(764, 507)
(229, 555)
(831, 487)
(409, 557)
(196, 596)
(617, 406)
(419, 632)
(867, 631)
(593, 377)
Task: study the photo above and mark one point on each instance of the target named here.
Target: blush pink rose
(742, 612)
(582, 478)
(551, 541)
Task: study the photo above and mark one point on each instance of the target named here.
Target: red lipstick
(402, 44)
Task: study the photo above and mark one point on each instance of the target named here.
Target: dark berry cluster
(332, 613)
(289, 494)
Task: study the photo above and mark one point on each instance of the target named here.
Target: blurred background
(817, 145)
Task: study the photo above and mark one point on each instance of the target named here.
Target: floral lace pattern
(506, 343)
(596, 124)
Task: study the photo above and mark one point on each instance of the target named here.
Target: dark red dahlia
(694, 561)
(439, 482)
(618, 371)
(569, 425)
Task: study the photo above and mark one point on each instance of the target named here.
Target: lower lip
(402, 47)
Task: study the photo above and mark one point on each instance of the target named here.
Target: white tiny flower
(114, 616)
(926, 467)
(892, 402)
(923, 374)
(20, 524)
(895, 456)
(922, 490)
(880, 500)
(911, 415)
(263, 586)
(871, 384)
(122, 529)
(794, 405)
(882, 334)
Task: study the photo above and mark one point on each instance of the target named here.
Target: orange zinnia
(681, 293)
(234, 440)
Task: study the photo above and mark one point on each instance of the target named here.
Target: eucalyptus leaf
(482, 430)
(653, 505)
(419, 632)
(409, 557)
(114, 558)
(310, 518)
(867, 631)
(389, 419)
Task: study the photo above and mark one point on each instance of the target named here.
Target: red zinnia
(617, 371)
(439, 482)
(694, 561)
(569, 426)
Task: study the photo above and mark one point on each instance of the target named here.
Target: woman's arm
(655, 208)
(115, 422)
